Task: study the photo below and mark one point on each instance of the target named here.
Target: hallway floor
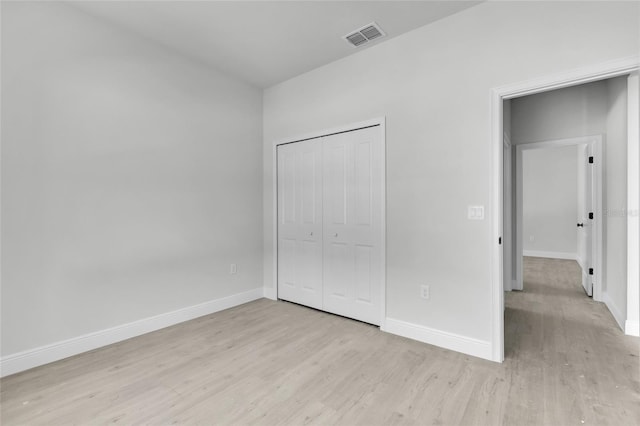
(567, 353)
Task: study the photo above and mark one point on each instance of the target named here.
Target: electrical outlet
(424, 292)
(233, 268)
(531, 238)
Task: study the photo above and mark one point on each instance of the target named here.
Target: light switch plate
(476, 213)
(425, 292)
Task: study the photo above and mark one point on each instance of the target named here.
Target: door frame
(614, 68)
(632, 322)
(381, 122)
(507, 236)
(596, 142)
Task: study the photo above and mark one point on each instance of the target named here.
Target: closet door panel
(338, 249)
(338, 271)
(363, 183)
(310, 230)
(353, 226)
(300, 223)
(336, 183)
(288, 188)
(287, 264)
(330, 224)
(363, 269)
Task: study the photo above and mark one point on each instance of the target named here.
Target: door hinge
(499, 240)
(590, 160)
(590, 271)
(590, 215)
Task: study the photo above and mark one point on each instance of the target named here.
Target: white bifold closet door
(330, 229)
(300, 223)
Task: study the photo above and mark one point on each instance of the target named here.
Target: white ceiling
(267, 42)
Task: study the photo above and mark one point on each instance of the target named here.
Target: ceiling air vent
(365, 34)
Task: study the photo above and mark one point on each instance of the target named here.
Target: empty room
(320, 212)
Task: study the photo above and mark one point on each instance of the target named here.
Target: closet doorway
(330, 222)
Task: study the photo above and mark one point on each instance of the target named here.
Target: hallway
(567, 353)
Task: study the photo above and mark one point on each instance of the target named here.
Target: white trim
(632, 328)
(497, 272)
(274, 222)
(633, 205)
(574, 77)
(507, 219)
(614, 309)
(551, 254)
(381, 122)
(383, 268)
(588, 74)
(558, 143)
(598, 241)
(31, 358)
(270, 293)
(443, 339)
(519, 225)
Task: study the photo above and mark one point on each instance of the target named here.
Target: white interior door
(586, 197)
(300, 222)
(352, 206)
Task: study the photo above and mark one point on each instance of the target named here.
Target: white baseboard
(454, 342)
(550, 254)
(632, 328)
(614, 309)
(45, 354)
(270, 293)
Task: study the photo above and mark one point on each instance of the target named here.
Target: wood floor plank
(277, 363)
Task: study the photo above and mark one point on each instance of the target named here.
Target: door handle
(580, 225)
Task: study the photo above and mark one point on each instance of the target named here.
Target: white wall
(434, 86)
(560, 114)
(589, 109)
(130, 178)
(549, 201)
(615, 260)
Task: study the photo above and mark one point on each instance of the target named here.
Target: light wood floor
(277, 363)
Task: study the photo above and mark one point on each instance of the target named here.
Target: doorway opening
(615, 282)
(557, 184)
